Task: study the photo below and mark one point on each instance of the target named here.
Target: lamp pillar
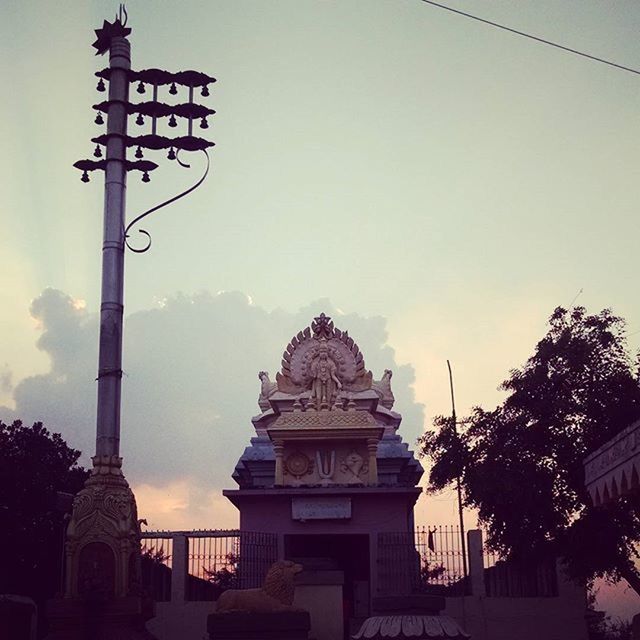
(112, 298)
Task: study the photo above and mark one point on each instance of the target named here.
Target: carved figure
(267, 388)
(383, 388)
(296, 376)
(324, 379)
(275, 595)
(354, 465)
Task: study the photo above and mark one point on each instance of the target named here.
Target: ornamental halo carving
(297, 374)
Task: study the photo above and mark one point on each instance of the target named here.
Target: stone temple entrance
(327, 472)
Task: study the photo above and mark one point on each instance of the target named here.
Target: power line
(531, 37)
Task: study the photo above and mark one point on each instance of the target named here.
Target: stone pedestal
(239, 625)
(113, 619)
(103, 597)
(415, 616)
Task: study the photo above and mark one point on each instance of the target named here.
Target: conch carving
(344, 368)
(383, 388)
(353, 465)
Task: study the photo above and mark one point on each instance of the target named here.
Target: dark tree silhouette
(34, 466)
(521, 464)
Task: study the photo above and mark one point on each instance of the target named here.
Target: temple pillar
(372, 448)
(278, 447)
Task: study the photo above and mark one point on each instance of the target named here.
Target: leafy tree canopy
(521, 465)
(34, 466)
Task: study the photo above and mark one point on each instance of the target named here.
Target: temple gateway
(327, 472)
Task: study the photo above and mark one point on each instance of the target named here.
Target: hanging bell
(141, 87)
(85, 177)
(145, 177)
(172, 121)
(171, 155)
(99, 119)
(139, 152)
(140, 119)
(205, 90)
(100, 86)
(97, 152)
(204, 124)
(173, 90)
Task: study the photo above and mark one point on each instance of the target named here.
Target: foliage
(34, 466)
(607, 629)
(225, 577)
(521, 465)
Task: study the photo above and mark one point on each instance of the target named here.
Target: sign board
(320, 508)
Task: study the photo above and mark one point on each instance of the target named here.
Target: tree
(521, 464)
(34, 466)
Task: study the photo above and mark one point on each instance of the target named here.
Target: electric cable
(532, 37)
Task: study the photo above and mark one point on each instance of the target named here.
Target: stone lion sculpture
(275, 595)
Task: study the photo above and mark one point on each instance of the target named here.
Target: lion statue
(275, 595)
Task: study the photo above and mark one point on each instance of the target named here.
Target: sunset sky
(434, 184)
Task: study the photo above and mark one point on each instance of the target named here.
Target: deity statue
(324, 380)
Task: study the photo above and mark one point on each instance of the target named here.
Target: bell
(145, 177)
(97, 152)
(204, 124)
(139, 119)
(205, 90)
(172, 121)
(100, 86)
(171, 155)
(141, 88)
(173, 90)
(99, 119)
(139, 152)
(85, 177)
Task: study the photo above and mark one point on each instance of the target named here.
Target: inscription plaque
(320, 508)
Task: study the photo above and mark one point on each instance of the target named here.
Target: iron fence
(215, 560)
(157, 556)
(427, 560)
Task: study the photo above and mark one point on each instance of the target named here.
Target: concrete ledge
(241, 625)
(416, 603)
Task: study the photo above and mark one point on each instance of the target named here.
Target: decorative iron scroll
(164, 204)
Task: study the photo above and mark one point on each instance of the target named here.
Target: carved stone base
(115, 619)
(103, 598)
(103, 537)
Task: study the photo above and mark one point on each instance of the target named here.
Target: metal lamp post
(102, 596)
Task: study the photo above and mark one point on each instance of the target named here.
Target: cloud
(190, 387)
(6, 379)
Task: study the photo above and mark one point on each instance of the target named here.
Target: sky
(434, 184)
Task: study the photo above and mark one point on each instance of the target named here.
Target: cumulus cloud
(6, 376)
(189, 391)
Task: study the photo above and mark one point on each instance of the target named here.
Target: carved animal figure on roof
(275, 595)
(267, 388)
(383, 388)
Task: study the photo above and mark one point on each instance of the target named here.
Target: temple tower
(327, 471)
